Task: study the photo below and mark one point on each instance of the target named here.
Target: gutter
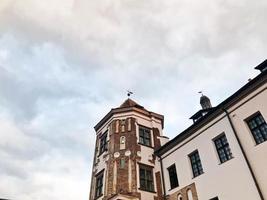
(244, 154)
(162, 176)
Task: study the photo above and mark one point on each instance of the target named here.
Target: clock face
(128, 153)
(116, 154)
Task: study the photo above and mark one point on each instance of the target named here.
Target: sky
(65, 63)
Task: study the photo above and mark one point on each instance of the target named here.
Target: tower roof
(127, 106)
(203, 99)
(130, 103)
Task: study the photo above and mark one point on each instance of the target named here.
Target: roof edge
(241, 93)
(123, 110)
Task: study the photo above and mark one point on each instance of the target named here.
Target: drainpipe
(162, 176)
(244, 154)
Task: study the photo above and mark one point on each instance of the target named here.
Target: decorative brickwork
(156, 134)
(125, 183)
(119, 153)
(159, 187)
(184, 193)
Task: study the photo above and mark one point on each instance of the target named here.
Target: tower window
(146, 178)
(196, 165)
(144, 136)
(99, 185)
(258, 128)
(223, 148)
(122, 163)
(173, 176)
(103, 143)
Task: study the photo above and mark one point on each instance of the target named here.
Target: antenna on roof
(129, 93)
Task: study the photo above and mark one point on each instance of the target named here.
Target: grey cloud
(64, 64)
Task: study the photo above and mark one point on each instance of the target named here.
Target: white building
(223, 155)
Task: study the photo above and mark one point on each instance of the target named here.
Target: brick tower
(124, 164)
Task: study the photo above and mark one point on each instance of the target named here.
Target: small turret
(206, 107)
(205, 102)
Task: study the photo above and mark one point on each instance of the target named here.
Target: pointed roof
(130, 103)
(126, 106)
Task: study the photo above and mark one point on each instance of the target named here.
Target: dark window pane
(99, 185)
(223, 148)
(196, 164)
(146, 178)
(258, 128)
(103, 143)
(144, 136)
(173, 176)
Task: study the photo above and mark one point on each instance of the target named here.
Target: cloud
(64, 64)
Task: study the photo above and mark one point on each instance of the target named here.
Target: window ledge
(146, 190)
(146, 145)
(258, 144)
(198, 175)
(226, 161)
(98, 197)
(174, 188)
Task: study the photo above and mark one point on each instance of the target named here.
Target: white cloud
(65, 63)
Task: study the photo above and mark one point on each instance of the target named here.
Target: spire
(205, 102)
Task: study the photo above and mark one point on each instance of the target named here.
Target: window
(122, 142)
(189, 195)
(103, 143)
(99, 184)
(223, 148)
(122, 163)
(146, 178)
(173, 176)
(196, 164)
(144, 136)
(258, 128)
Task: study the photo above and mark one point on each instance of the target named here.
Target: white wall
(230, 180)
(257, 154)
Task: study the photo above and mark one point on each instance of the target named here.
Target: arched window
(122, 142)
(180, 197)
(189, 195)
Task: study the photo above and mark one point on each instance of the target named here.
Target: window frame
(144, 137)
(147, 179)
(223, 147)
(99, 188)
(103, 143)
(176, 183)
(197, 163)
(258, 127)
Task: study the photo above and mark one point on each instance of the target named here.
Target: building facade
(222, 156)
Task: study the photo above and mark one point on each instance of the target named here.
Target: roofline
(238, 95)
(262, 65)
(129, 109)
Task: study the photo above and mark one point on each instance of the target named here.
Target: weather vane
(201, 92)
(129, 93)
